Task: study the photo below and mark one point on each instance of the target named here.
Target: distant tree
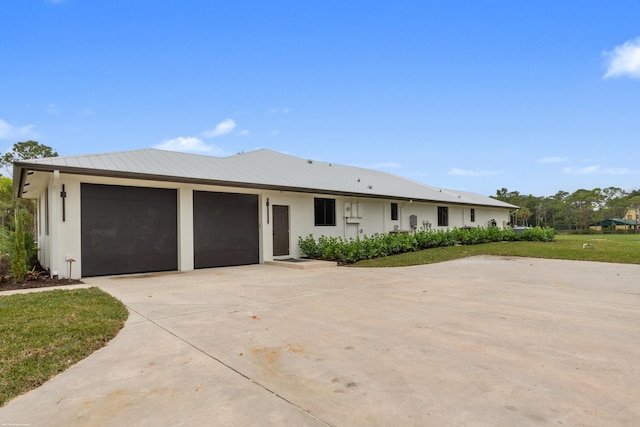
(614, 199)
(584, 202)
(633, 193)
(511, 197)
(23, 151)
(570, 211)
(523, 215)
(542, 212)
(6, 200)
(557, 210)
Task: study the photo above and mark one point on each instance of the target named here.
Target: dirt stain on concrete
(293, 348)
(270, 354)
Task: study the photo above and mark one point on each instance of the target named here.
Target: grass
(620, 248)
(43, 333)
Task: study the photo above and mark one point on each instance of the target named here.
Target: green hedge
(352, 250)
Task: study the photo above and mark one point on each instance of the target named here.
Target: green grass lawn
(43, 333)
(621, 248)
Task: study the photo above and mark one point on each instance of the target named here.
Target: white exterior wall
(185, 228)
(64, 238)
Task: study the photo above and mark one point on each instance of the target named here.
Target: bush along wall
(347, 251)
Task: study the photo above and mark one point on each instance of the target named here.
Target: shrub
(308, 246)
(31, 249)
(5, 267)
(18, 256)
(348, 251)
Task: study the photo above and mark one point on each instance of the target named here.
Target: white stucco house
(154, 210)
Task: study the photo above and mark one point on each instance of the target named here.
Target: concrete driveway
(484, 341)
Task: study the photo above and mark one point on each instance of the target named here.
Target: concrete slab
(480, 341)
(302, 264)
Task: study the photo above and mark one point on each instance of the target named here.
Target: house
(632, 215)
(628, 222)
(154, 210)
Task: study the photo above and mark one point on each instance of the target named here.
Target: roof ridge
(74, 156)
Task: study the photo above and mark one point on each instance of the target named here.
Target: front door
(280, 230)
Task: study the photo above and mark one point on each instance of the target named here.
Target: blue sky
(473, 95)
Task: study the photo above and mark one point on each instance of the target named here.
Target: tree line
(571, 211)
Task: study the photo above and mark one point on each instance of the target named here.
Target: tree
(511, 197)
(560, 213)
(523, 215)
(585, 204)
(19, 251)
(22, 251)
(570, 211)
(6, 200)
(613, 196)
(25, 150)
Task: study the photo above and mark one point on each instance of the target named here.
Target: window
(324, 211)
(443, 216)
(473, 215)
(394, 211)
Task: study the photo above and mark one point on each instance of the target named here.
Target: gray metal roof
(263, 169)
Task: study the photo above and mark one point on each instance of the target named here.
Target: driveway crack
(238, 372)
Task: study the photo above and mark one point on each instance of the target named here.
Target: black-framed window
(324, 211)
(443, 216)
(473, 215)
(394, 211)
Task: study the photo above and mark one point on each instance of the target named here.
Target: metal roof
(615, 221)
(263, 169)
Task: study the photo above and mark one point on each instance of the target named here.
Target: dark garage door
(128, 229)
(225, 227)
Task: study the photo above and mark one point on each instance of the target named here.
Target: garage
(128, 229)
(225, 229)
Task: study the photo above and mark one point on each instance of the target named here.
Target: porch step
(302, 264)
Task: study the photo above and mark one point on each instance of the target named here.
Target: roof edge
(22, 167)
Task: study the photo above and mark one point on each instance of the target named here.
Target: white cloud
(8, 131)
(191, 144)
(624, 60)
(553, 159)
(596, 169)
(244, 132)
(462, 172)
(222, 128)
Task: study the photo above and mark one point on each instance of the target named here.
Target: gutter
(18, 181)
